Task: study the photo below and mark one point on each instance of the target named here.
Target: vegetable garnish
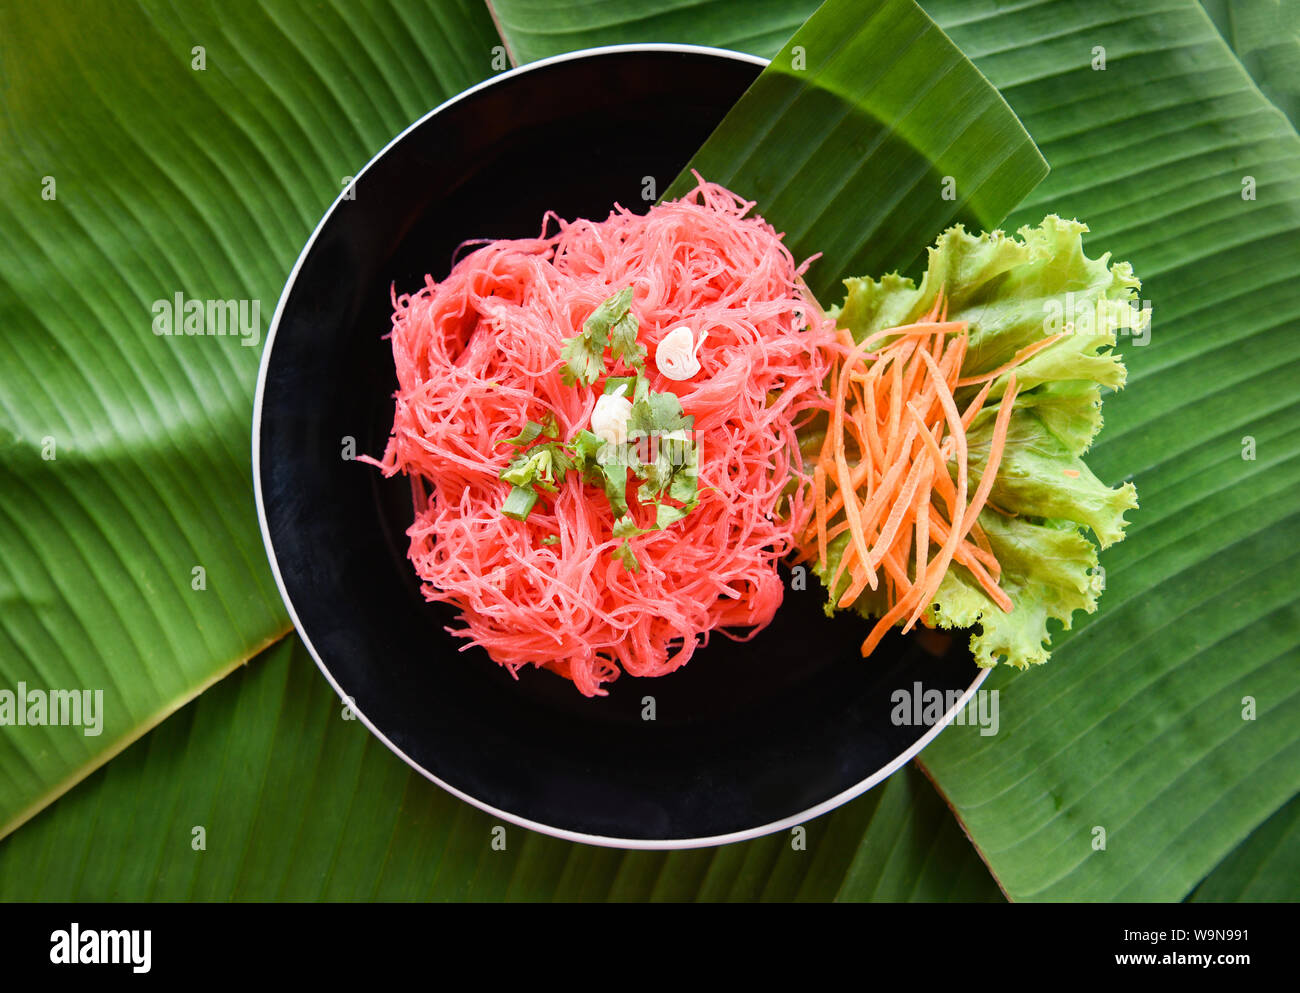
(561, 545)
(611, 326)
(948, 488)
(647, 434)
(675, 355)
(899, 462)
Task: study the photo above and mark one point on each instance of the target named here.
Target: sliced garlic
(675, 355)
(609, 419)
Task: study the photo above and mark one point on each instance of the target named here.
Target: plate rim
(643, 844)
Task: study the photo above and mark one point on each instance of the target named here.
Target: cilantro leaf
(625, 527)
(614, 470)
(610, 324)
(584, 359)
(614, 382)
(625, 555)
(623, 344)
(584, 449)
(658, 413)
(666, 515)
(685, 485)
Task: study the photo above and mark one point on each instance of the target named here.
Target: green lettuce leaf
(1050, 508)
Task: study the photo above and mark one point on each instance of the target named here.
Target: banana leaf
(1265, 35)
(157, 586)
(1263, 868)
(264, 790)
(1137, 726)
(869, 133)
(155, 156)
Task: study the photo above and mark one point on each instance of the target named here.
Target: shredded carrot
(995, 455)
(935, 571)
(819, 495)
(895, 521)
(894, 473)
(975, 406)
(982, 541)
(836, 436)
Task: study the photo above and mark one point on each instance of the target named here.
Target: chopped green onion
(519, 504)
(531, 432)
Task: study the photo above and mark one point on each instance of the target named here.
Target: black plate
(748, 738)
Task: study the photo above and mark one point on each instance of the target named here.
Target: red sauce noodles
(478, 355)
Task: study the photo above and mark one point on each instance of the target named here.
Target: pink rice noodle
(478, 354)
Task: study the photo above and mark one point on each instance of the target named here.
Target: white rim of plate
(588, 839)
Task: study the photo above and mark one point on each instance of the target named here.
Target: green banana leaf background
(161, 148)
